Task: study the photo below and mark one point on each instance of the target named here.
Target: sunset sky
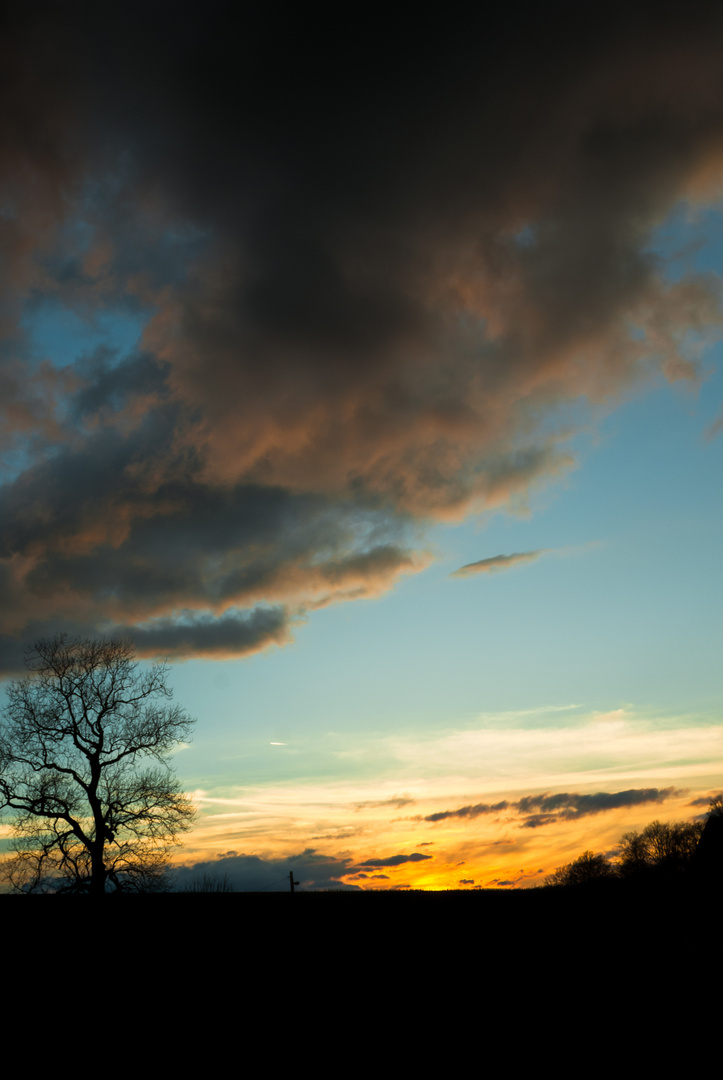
(371, 371)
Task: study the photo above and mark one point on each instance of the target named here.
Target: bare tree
(661, 846)
(587, 867)
(85, 778)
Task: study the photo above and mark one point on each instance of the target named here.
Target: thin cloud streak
(495, 563)
(394, 860)
(714, 429)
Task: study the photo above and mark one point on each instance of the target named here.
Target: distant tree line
(662, 849)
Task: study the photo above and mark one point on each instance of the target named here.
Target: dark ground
(314, 976)
(606, 912)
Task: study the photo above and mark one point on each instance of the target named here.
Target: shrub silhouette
(587, 867)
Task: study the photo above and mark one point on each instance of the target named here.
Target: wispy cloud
(714, 428)
(396, 803)
(501, 797)
(469, 811)
(495, 563)
(705, 800)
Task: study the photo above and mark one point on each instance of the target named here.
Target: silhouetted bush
(588, 867)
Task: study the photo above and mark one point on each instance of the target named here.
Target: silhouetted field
(602, 912)
(492, 956)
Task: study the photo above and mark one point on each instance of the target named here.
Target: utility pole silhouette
(291, 880)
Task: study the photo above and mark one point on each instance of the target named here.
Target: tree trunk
(97, 871)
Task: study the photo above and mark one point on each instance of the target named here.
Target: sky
(370, 371)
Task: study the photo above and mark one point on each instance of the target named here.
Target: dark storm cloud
(546, 809)
(377, 266)
(103, 533)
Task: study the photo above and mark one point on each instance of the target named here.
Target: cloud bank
(375, 274)
(547, 809)
(252, 873)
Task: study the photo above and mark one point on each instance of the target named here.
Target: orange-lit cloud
(371, 301)
(620, 771)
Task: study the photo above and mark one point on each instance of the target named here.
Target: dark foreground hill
(472, 969)
(606, 912)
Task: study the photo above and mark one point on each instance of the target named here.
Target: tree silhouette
(587, 867)
(85, 778)
(708, 858)
(661, 846)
